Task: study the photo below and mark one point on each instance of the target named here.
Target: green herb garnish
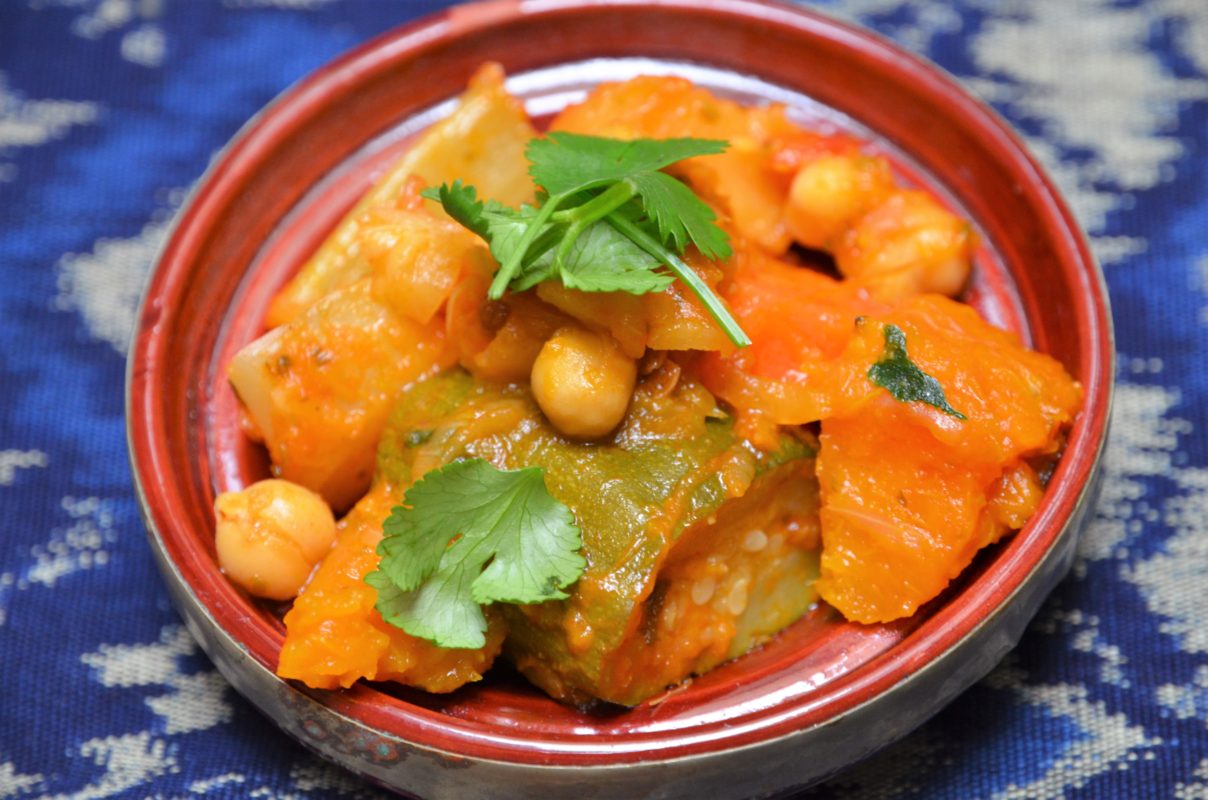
(608, 220)
(468, 535)
(903, 379)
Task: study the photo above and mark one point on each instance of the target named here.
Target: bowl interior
(276, 192)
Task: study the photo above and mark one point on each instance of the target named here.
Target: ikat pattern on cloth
(111, 109)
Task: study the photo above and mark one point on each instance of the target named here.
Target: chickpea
(270, 536)
(907, 245)
(583, 382)
(828, 195)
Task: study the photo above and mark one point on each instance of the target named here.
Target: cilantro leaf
(903, 379)
(469, 535)
(605, 260)
(607, 221)
(681, 216)
(601, 260)
(462, 204)
(567, 162)
(501, 227)
(713, 304)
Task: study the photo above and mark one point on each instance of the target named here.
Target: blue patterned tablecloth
(111, 109)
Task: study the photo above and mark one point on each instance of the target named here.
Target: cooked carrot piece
(899, 514)
(909, 492)
(334, 636)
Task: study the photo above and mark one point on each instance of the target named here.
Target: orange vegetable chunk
(319, 389)
(800, 322)
(669, 320)
(482, 143)
(910, 493)
(417, 259)
(334, 635)
(1016, 400)
(498, 340)
(899, 514)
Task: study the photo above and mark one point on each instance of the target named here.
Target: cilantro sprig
(469, 535)
(904, 379)
(608, 221)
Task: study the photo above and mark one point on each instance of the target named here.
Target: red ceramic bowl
(824, 693)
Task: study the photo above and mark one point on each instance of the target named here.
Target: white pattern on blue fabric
(1104, 103)
(1174, 580)
(1186, 701)
(1110, 742)
(14, 784)
(83, 544)
(13, 460)
(106, 284)
(193, 702)
(1196, 789)
(30, 123)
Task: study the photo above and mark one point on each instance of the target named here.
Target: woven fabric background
(111, 109)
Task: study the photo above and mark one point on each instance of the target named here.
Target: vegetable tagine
(621, 400)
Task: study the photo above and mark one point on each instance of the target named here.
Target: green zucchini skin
(675, 473)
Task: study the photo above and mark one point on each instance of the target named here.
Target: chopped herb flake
(903, 379)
